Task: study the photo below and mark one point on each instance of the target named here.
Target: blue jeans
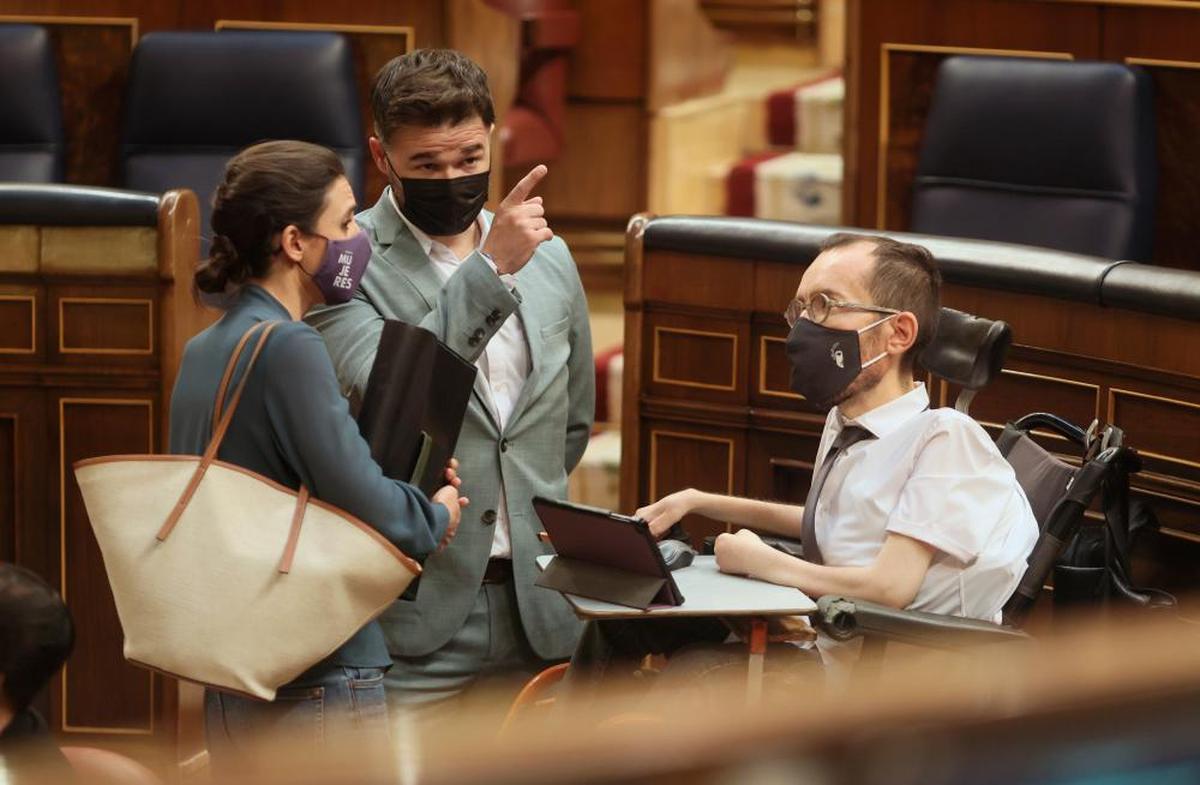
(342, 704)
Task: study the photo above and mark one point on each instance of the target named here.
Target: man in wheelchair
(910, 506)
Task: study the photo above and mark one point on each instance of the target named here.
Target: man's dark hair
(905, 277)
(429, 88)
(36, 634)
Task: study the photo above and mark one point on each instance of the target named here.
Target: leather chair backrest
(32, 148)
(196, 98)
(1058, 154)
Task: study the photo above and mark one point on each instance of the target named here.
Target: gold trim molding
(1114, 392)
(696, 437)
(64, 349)
(658, 378)
(32, 300)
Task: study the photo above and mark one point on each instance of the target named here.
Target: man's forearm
(764, 516)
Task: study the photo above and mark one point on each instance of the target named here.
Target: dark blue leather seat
(1057, 154)
(32, 148)
(196, 99)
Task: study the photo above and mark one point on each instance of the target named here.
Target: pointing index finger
(521, 190)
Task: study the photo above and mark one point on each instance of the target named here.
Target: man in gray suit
(501, 290)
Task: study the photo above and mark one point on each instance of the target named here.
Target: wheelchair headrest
(967, 350)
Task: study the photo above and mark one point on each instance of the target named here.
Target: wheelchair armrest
(843, 619)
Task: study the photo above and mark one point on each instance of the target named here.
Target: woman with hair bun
(285, 240)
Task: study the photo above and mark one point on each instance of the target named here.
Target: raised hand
(519, 225)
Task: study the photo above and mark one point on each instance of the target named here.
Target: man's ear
(378, 155)
(904, 333)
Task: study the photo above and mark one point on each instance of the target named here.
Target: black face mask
(825, 361)
(443, 207)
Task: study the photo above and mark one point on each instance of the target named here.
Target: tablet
(612, 555)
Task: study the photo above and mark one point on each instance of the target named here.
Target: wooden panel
(699, 281)
(1163, 41)
(18, 323)
(775, 285)
(690, 456)
(601, 174)
(1017, 393)
(100, 250)
(427, 19)
(610, 61)
(1165, 431)
(105, 325)
(19, 249)
(10, 483)
(779, 465)
(118, 327)
(1009, 25)
(101, 693)
(696, 359)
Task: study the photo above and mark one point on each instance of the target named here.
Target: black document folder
(414, 404)
(604, 556)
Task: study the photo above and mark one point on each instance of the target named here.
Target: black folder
(604, 556)
(414, 404)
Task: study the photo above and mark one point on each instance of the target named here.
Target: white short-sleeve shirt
(933, 475)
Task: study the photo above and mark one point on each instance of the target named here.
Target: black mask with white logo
(442, 207)
(824, 360)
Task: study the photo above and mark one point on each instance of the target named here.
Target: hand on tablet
(736, 553)
(666, 512)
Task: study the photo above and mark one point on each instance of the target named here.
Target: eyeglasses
(820, 305)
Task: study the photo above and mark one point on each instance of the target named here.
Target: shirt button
(488, 517)
(504, 445)
(479, 333)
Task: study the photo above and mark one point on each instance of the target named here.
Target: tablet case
(604, 556)
(414, 404)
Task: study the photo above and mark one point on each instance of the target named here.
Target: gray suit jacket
(543, 441)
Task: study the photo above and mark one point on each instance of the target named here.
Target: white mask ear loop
(872, 326)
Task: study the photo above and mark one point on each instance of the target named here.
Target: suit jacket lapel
(532, 323)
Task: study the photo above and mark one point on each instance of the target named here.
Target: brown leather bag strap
(289, 550)
(210, 454)
(229, 369)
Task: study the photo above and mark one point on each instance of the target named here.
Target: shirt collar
(424, 240)
(886, 418)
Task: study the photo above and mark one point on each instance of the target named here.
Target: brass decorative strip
(64, 349)
(730, 444)
(252, 24)
(32, 300)
(62, 549)
(1151, 62)
(658, 378)
(884, 136)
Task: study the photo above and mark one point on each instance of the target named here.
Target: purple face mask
(342, 268)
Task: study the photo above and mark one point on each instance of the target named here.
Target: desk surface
(706, 592)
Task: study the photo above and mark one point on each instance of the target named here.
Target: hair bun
(220, 268)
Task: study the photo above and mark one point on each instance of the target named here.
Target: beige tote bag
(224, 577)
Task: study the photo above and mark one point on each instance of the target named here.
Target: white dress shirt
(933, 475)
(504, 363)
